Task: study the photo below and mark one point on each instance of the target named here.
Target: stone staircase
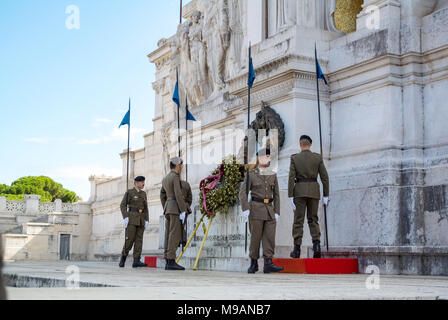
(15, 235)
(7, 223)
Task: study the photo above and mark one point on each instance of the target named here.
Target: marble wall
(384, 139)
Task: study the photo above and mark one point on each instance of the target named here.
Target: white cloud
(37, 140)
(115, 135)
(46, 140)
(99, 121)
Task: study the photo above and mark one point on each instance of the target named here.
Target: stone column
(31, 204)
(92, 188)
(255, 21)
(58, 205)
(2, 204)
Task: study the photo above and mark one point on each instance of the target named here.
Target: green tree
(47, 188)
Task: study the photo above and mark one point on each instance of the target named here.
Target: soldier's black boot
(122, 261)
(316, 249)
(137, 263)
(296, 252)
(270, 267)
(253, 266)
(166, 264)
(172, 265)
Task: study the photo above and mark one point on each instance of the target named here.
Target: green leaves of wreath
(225, 194)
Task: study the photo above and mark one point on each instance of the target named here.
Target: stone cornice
(389, 69)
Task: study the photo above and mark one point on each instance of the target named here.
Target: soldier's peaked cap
(305, 137)
(176, 160)
(139, 178)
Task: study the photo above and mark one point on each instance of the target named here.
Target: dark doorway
(64, 247)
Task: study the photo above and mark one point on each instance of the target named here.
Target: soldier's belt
(171, 198)
(266, 201)
(305, 180)
(135, 210)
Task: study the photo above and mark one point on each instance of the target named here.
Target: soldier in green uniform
(304, 193)
(174, 209)
(188, 198)
(134, 208)
(262, 211)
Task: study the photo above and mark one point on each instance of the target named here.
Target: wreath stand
(191, 239)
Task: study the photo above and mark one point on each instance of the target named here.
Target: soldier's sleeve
(292, 176)
(146, 210)
(163, 196)
(243, 194)
(324, 177)
(276, 196)
(123, 206)
(178, 194)
(189, 199)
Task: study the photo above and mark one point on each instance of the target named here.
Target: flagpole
(320, 138)
(180, 15)
(186, 137)
(247, 147)
(178, 109)
(127, 162)
(178, 113)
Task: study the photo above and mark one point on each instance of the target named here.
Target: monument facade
(385, 139)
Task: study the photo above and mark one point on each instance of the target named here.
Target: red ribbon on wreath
(211, 186)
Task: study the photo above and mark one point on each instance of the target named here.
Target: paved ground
(148, 283)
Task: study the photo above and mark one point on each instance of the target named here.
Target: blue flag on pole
(126, 119)
(319, 73)
(189, 115)
(251, 73)
(176, 98)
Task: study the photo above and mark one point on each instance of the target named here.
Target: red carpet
(317, 266)
(151, 261)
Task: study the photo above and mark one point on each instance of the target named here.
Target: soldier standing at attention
(134, 208)
(262, 211)
(304, 193)
(188, 198)
(174, 209)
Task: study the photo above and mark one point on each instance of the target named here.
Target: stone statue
(286, 13)
(217, 37)
(237, 46)
(185, 72)
(198, 53)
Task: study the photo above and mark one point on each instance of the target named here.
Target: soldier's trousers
(311, 207)
(173, 235)
(262, 231)
(134, 237)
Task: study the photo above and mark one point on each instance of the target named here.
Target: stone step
(317, 266)
(7, 226)
(7, 218)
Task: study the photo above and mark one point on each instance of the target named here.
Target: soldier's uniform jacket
(263, 184)
(138, 207)
(174, 202)
(186, 191)
(307, 165)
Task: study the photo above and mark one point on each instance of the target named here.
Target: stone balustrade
(32, 206)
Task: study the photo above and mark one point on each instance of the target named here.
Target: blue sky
(64, 92)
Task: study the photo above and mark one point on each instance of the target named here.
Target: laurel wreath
(225, 195)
